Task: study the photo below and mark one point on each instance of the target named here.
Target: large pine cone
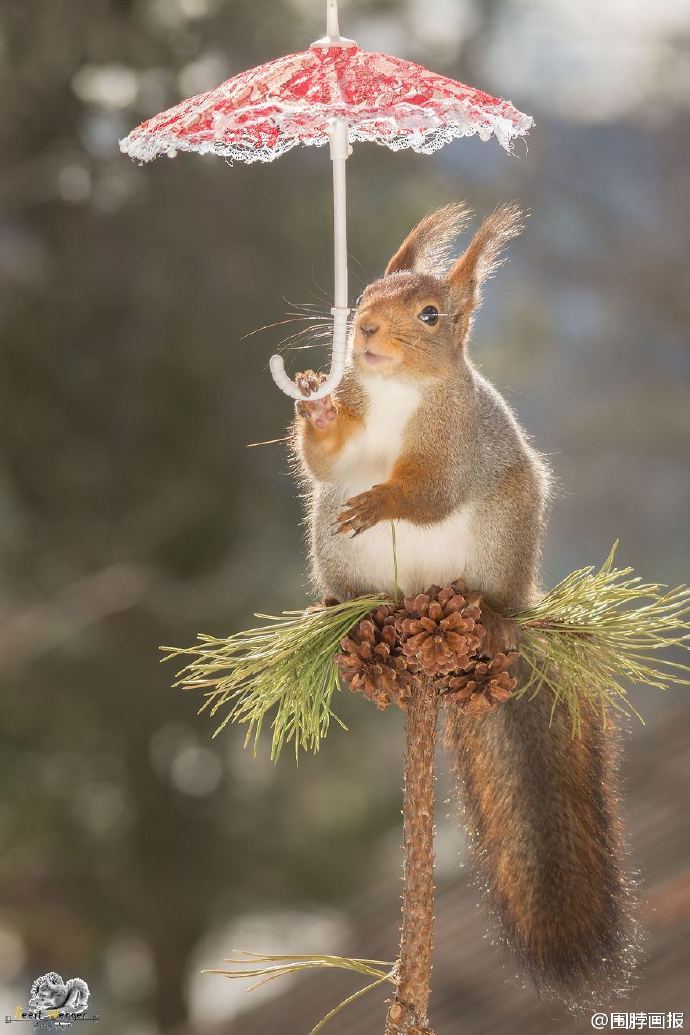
(437, 633)
(372, 661)
(483, 683)
(441, 631)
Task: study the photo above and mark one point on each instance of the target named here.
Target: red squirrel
(415, 435)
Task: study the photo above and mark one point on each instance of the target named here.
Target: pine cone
(440, 632)
(372, 661)
(483, 684)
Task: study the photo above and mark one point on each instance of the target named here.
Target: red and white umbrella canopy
(336, 94)
(260, 114)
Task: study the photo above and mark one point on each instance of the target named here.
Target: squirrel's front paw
(321, 412)
(364, 511)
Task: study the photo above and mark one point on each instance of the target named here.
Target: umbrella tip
(332, 37)
(331, 42)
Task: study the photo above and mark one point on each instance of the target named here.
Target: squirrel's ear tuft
(428, 248)
(480, 259)
(483, 254)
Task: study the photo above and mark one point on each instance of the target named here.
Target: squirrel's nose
(368, 329)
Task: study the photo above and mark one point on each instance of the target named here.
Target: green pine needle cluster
(594, 635)
(598, 632)
(286, 667)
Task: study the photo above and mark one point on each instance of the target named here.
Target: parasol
(334, 93)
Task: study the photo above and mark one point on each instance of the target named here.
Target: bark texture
(407, 1015)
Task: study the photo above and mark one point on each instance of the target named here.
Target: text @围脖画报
(639, 1020)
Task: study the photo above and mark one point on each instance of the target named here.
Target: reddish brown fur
(320, 446)
(541, 811)
(407, 494)
(540, 804)
(427, 247)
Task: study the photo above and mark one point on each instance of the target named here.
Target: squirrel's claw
(362, 512)
(309, 380)
(321, 412)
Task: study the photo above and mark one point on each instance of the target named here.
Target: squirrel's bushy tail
(541, 811)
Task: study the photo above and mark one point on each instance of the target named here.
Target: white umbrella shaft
(332, 27)
(340, 150)
(333, 37)
(339, 154)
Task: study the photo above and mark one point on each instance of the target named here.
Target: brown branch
(407, 1015)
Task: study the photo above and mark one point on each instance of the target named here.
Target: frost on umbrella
(260, 114)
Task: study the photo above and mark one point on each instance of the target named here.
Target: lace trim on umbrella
(255, 147)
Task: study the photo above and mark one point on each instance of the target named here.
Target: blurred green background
(135, 851)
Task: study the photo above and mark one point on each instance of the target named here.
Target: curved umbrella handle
(340, 150)
(335, 376)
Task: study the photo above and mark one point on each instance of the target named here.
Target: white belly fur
(369, 456)
(426, 554)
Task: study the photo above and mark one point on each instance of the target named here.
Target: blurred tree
(126, 403)
(131, 513)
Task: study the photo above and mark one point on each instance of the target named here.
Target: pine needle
(285, 668)
(396, 588)
(593, 636)
(600, 631)
(268, 968)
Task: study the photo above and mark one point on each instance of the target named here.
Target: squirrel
(415, 435)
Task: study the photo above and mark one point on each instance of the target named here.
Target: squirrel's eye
(429, 315)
